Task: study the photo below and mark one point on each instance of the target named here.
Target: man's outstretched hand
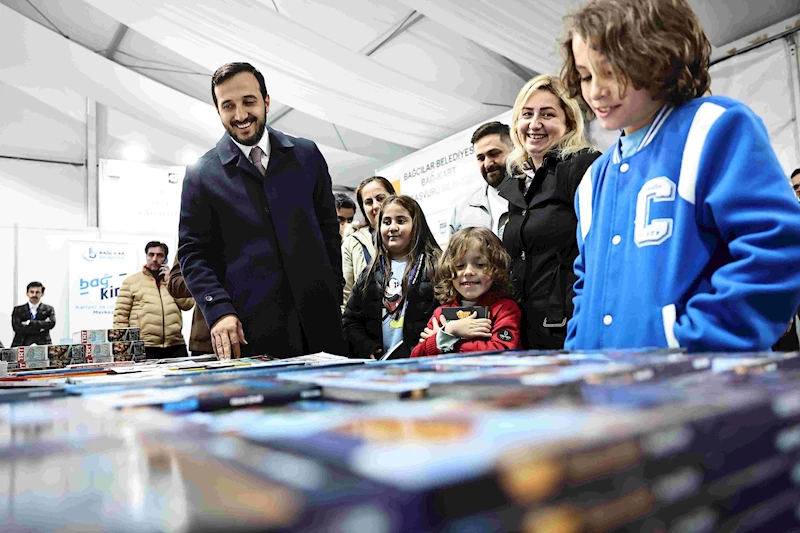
(226, 337)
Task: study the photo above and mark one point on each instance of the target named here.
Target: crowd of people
(684, 234)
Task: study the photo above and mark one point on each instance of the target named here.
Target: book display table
(649, 440)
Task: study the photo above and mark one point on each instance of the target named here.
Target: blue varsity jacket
(692, 241)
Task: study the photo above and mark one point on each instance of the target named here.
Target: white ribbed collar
(652, 131)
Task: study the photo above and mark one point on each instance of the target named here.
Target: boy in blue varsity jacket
(689, 233)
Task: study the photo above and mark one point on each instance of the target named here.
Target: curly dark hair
(656, 45)
(497, 259)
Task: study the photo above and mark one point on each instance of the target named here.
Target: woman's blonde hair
(574, 139)
(497, 259)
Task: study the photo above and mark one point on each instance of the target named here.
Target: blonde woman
(549, 159)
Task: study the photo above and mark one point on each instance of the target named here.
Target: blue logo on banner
(90, 254)
(103, 284)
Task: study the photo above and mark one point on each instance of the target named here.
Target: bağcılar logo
(90, 254)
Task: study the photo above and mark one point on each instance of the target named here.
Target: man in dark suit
(33, 321)
(259, 238)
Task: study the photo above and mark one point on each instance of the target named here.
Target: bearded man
(485, 208)
(259, 239)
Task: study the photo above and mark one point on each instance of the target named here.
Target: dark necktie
(33, 314)
(255, 155)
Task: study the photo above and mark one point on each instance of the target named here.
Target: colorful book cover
(128, 351)
(754, 362)
(123, 334)
(333, 499)
(386, 442)
(184, 491)
(243, 394)
(442, 451)
(35, 356)
(506, 359)
(89, 336)
(296, 418)
(31, 394)
(375, 383)
(99, 353)
(77, 354)
(97, 336)
(58, 355)
(11, 356)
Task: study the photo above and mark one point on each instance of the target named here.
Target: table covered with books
(646, 440)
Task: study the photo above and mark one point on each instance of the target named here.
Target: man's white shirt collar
(34, 307)
(263, 144)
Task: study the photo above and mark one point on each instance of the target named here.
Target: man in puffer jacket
(144, 302)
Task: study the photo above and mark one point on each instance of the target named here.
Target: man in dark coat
(33, 321)
(259, 238)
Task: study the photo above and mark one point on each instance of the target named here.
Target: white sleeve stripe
(668, 317)
(585, 202)
(704, 119)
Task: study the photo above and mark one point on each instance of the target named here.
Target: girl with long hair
(393, 299)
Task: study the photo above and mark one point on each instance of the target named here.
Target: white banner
(440, 176)
(96, 272)
(765, 80)
(148, 196)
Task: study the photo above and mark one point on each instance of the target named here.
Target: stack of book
(44, 356)
(111, 345)
(647, 441)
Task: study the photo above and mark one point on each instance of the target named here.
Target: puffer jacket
(354, 262)
(144, 304)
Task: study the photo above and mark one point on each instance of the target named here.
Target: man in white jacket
(485, 208)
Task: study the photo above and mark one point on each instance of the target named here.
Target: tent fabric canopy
(309, 72)
(370, 81)
(524, 32)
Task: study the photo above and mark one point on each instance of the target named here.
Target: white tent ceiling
(369, 80)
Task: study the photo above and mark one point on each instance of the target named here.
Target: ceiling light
(134, 152)
(188, 157)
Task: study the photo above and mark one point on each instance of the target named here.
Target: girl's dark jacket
(363, 316)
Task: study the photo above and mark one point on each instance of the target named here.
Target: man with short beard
(259, 238)
(485, 208)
